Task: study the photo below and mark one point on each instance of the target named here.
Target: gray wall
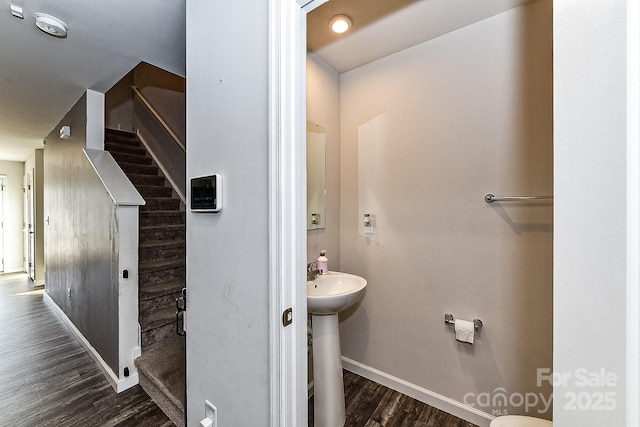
(14, 216)
(593, 281)
(426, 133)
(81, 241)
(228, 253)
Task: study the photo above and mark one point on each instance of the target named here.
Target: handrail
(166, 174)
(155, 114)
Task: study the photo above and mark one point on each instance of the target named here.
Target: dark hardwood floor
(369, 404)
(48, 379)
(46, 376)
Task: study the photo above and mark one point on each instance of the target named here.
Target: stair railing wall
(125, 201)
(166, 148)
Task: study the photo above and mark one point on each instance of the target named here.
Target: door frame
(3, 179)
(288, 241)
(633, 212)
(29, 225)
(287, 51)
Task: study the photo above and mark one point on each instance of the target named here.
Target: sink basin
(333, 292)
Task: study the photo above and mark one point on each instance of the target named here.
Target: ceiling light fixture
(17, 11)
(65, 132)
(51, 25)
(340, 24)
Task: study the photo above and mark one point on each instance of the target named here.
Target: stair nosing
(159, 213)
(154, 244)
(160, 265)
(160, 289)
(148, 227)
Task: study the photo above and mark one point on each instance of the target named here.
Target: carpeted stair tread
(150, 227)
(164, 264)
(119, 147)
(162, 244)
(164, 213)
(154, 191)
(157, 318)
(158, 218)
(150, 233)
(161, 289)
(146, 180)
(133, 159)
(162, 375)
(121, 135)
(160, 204)
(139, 169)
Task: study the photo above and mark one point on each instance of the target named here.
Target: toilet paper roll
(465, 331)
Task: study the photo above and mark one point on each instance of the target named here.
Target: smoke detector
(51, 25)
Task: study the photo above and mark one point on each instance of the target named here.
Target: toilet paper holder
(449, 320)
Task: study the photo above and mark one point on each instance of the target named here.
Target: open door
(29, 231)
(2, 183)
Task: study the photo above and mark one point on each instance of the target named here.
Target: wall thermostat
(206, 193)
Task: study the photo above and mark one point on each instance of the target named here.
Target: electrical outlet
(69, 293)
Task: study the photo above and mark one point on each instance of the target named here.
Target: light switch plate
(211, 413)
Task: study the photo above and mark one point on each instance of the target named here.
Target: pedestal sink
(327, 295)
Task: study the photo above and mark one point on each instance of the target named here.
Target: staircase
(161, 275)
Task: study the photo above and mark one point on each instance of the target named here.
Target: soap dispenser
(322, 263)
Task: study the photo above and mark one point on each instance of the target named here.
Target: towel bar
(490, 198)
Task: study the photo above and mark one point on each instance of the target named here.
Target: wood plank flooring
(48, 379)
(46, 376)
(369, 404)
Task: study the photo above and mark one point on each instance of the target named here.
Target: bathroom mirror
(315, 176)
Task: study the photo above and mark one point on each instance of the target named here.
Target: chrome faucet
(312, 271)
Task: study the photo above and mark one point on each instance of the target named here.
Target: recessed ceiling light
(50, 24)
(340, 24)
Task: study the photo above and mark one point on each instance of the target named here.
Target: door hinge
(287, 317)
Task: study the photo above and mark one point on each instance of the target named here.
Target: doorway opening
(29, 231)
(2, 184)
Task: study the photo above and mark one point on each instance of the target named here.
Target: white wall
(228, 253)
(14, 216)
(323, 109)
(426, 133)
(590, 265)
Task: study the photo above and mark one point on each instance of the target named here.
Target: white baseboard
(14, 270)
(453, 407)
(118, 384)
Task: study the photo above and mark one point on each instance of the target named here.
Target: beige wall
(119, 105)
(13, 250)
(425, 134)
(323, 101)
